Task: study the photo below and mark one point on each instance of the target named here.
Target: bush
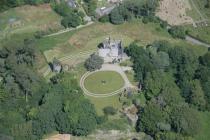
(71, 17)
(109, 110)
(163, 24)
(101, 119)
(145, 20)
(71, 21)
(177, 32)
(104, 19)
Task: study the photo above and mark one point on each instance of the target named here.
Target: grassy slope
(28, 19)
(202, 33)
(205, 129)
(100, 103)
(88, 38)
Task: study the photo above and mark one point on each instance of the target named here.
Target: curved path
(69, 29)
(108, 67)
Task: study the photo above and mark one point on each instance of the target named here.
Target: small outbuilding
(56, 66)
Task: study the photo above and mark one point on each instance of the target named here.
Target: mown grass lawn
(101, 103)
(103, 82)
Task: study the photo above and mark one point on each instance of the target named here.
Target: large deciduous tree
(94, 62)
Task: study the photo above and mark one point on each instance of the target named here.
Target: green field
(28, 19)
(100, 103)
(201, 32)
(205, 126)
(200, 4)
(88, 38)
(103, 82)
(84, 41)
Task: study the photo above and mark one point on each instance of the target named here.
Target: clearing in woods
(175, 12)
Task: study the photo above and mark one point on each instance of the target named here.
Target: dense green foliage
(72, 17)
(94, 62)
(6, 4)
(90, 6)
(203, 74)
(109, 110)
(176, 85)
(30, 107)
(177, 32)
(207, 4)
(133, 8)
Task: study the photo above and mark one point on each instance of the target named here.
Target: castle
(111, 50)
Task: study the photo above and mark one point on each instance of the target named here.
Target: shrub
(109, 110)
(177, 32)
(104, 19)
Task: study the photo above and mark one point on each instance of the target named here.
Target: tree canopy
(173, 82)
(94, 62)
(31, 107)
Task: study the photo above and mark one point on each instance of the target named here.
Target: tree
(197, 96)
(71, 21)
(184, 63)
(205, 59)
(116, 17)
(94, 62)
(159, 58)
(71, 17)
(90, 6)
(183, 122)
(171, 97)
(150, 117)
(156, 81)
(83, 119)
(141, 61)
(203, 74)
(162, 45)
